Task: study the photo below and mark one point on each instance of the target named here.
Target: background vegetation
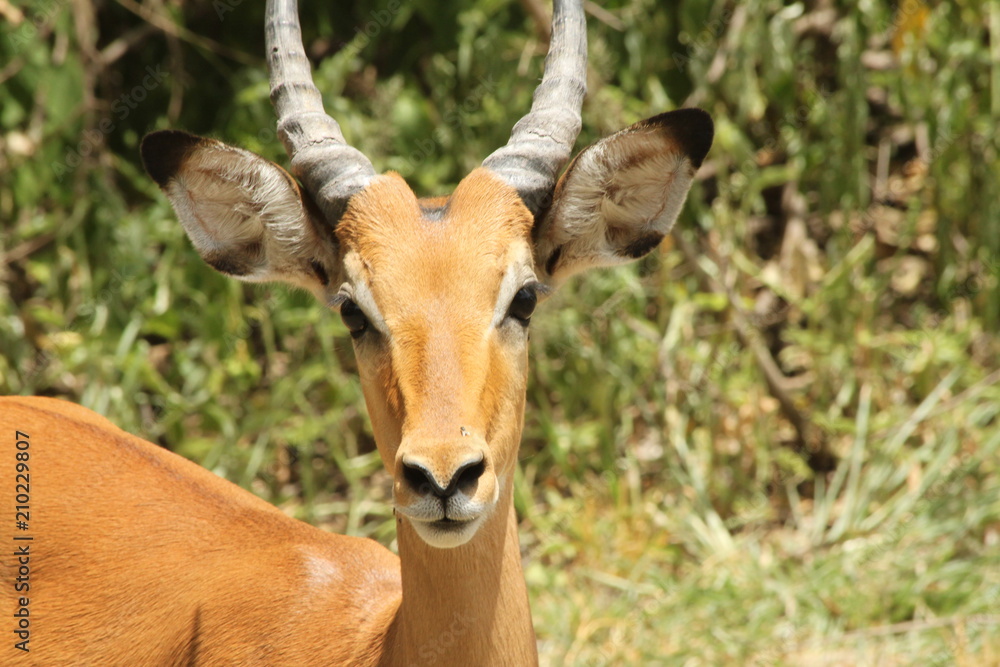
(773, 442)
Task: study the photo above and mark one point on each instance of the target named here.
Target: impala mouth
(450, 524)
(446, 533)
(449, 521)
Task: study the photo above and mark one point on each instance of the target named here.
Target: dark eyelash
(540, 289)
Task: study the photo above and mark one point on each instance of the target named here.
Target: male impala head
(437, 294)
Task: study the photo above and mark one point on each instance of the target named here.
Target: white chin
(446, 535)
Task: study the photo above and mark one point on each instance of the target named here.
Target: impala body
(142, 557)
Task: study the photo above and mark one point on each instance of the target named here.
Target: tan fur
(443, 369)
(143, 558)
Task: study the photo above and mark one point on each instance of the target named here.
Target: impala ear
(621, 196)
(246, 216)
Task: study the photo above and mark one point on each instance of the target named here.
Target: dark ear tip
(692, 128)
(163, 152)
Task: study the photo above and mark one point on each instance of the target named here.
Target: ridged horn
(541, 142)
(330, 169)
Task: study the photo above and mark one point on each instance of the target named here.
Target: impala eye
(354, 318)
(523, 304)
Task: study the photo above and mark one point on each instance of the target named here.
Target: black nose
(423, 481)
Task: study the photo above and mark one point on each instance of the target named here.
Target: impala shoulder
(345, 571)
(35, 410)
(334, 603)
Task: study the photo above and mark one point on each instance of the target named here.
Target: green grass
(848, 216)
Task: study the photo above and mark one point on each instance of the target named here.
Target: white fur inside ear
(243, 210)
(619, 199)
(646, 193)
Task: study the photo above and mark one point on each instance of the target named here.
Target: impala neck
(468, 605)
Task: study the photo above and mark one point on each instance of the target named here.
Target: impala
(142, 557)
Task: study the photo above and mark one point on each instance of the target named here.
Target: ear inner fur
(246, 216)
(621, 196)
